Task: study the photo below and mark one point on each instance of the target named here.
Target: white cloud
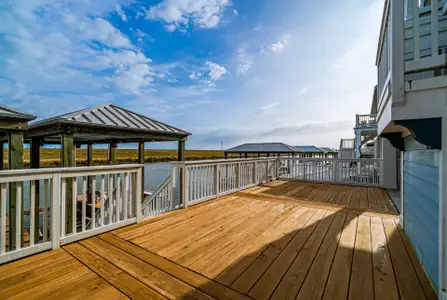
(134, 78)
(194, 76)
(302, 91)
(215, 71)
(279, 45)
(268, 108)
(178, 13)
(120, 12)
(245, 60)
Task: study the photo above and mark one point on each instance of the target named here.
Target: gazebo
(311, 151)
(105, 124)
(13, 125)
(262, 148)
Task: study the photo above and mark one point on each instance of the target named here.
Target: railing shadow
(340, 256)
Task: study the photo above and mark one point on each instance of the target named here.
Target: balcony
(411, 61)
(365, 122)
(282, 240)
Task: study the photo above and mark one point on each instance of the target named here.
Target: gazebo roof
(263, 148)
(328, 150)
(105, 123)
(10, 113)
(312, 149)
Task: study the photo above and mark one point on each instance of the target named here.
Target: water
(155, 174)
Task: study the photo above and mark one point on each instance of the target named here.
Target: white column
(389, 173)
(357, 143)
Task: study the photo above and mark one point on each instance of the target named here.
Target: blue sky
(227, 71)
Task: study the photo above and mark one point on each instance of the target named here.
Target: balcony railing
(365, 121)
(194, 182)
(63, 205)
(408, 43)
(347, 144)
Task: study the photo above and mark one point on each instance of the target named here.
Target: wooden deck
(253, 244)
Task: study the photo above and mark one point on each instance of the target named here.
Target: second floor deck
(282, 240)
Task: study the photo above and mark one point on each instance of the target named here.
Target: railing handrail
(217, 161)
(6, 173)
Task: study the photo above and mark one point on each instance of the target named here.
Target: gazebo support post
(15, 161)
(2, 156)
(112, 153)
(68, 160)
(226, 155)
(35, 164)
(246, 155)
(141, 158)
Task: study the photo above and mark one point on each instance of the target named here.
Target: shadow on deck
(279, 241)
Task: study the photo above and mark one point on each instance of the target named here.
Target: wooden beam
(35, 164)
(15, 161)
(67, 160)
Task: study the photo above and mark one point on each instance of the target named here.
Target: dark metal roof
(312, 149)
(326, 149)
(7, 112)
(263, 148)
(110, 116)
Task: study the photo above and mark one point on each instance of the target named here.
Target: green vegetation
(51, 157)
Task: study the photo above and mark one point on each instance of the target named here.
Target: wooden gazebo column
(35, 144)
(112, 153)
(68, 160)
(141, 161)
(15, 161)
(2, 156)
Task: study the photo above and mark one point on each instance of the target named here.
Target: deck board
(284, 240)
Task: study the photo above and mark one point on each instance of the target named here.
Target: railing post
(267, 171)
(216, 180)
(185, 186)
(238, 175)
(254, 173)
(139, 194)
(172, 193)
(56, 210)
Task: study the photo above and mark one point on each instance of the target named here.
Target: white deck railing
(361, 171)
(160, 201)
(195, 182)
(73, 204)
(205, 180)
(365, 121)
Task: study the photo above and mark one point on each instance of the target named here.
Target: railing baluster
(45, 210)
(84, 203)
(102, 199)
(3, 223)
(19, 215)
(32, 212)
(118, 197)
(63, 206)
(74, 202)
(110, 200)
(126, 194)
(93, 196)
